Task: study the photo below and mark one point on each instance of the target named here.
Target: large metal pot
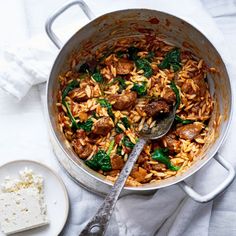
(125, 23)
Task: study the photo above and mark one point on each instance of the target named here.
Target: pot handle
(52, 18)
(221, 187)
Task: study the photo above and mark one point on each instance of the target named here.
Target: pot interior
(135, 23)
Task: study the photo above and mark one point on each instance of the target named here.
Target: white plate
(55, 194)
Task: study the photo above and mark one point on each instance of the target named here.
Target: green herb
(72, 85)
(119, 150)
(162, 155)
(110, 147)
(104, 103)
(86, 126)
(126, 141)
(84, 68)
(141, 89)
(176, 91)
(74, 124)
(100, 161)
(150, 56)
(97, 77)
(132, 53)
(171, 60)
(144, 64)
(184, 122)
(120, 54)
(118, 129)
(125, 122)
(122, 84)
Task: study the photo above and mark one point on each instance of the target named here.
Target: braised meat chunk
(123, 101)
(83, 151)
(171, 142)
(124, 66)
(157, 107)
(195, 85)
(117, 162)
(169, 95)
(190, 131)
(103, 126)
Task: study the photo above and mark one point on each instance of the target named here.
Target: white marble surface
(22, 124)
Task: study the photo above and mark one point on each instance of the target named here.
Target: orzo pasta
(104, 103)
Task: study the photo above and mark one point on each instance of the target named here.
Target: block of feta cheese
(22, 203)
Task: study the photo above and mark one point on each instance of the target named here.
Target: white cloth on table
(169, 211)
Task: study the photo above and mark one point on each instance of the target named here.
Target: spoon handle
(98, 224)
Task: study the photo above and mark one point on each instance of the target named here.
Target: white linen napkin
(169, 211)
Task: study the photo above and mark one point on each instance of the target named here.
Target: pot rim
(174, 180)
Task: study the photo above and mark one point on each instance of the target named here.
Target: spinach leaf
(100, 161)
(84, 68)
(97, 77)
(144, 64)
(121, 82)
(104, 103)
(184, 122)
(110, 147)
(162, 155)
(132, 53)
(125, 122)
(118, 129)
(86, 126)
(150, 56)
(120, 54)
(126, 141)
(176, 91)
(171, 60)
(118, 150)
(74, 124)
(141, 89)
(72, 85)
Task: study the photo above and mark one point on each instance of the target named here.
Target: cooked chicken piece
(83, 151)
(138, 174)
(117, 162)
(170, 141)
(189, 131)
(169, 95)
(103, 126)
(124, 66)
(123, 101)
(157, 107)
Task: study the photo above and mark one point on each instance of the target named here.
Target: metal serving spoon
(98, 224)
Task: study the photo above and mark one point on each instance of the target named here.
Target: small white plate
(55, 194)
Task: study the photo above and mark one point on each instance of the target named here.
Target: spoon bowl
(98, 224)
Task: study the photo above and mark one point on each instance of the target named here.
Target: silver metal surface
(101, 219)
(127, 23)
(52, 18)
(210, 196)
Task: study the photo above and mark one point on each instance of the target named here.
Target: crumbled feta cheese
(22, 204)
(27, 178)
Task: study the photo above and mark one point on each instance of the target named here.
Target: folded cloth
(168, 211)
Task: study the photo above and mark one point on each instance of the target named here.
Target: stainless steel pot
(126, 23)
